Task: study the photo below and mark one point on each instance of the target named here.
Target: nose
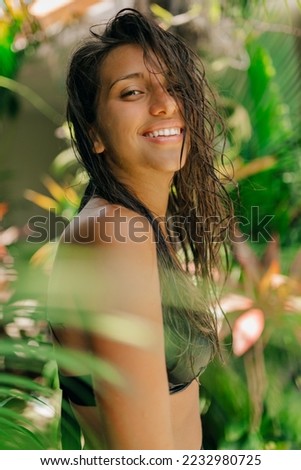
(162, 103)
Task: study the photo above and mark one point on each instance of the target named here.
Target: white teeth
(164, 132)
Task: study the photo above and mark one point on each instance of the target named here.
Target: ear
(98, 145)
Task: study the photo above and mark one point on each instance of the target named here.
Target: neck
(154, 198)
(153, 190)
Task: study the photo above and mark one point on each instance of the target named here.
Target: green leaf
(161, 13)
(23, 383)
(270, 120)
(32, 97)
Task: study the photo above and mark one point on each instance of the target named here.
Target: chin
(169, 165)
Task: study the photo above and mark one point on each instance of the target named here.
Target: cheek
(118, 127)
(107, 130)
(113, 134)
(115, 140)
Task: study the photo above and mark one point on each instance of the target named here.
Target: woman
(122, 296)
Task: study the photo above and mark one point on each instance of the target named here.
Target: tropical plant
(27, 379)
(18, 34)
(27, 389)
(251, 399)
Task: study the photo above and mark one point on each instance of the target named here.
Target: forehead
(127, 59)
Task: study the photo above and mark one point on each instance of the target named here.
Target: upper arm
(115, 285)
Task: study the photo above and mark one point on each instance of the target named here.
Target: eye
(131, 93)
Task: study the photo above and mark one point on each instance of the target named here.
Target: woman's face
(139, 124)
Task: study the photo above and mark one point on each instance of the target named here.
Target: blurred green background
(252, 55)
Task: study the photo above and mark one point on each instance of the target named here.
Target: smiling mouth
(172, 131)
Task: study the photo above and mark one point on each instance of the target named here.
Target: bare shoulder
(109, 225)
(107, 256)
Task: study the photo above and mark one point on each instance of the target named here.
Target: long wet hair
(199, 206)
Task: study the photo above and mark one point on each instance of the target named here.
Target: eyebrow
(126, 77)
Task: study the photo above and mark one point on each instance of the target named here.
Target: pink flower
(247, 329)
